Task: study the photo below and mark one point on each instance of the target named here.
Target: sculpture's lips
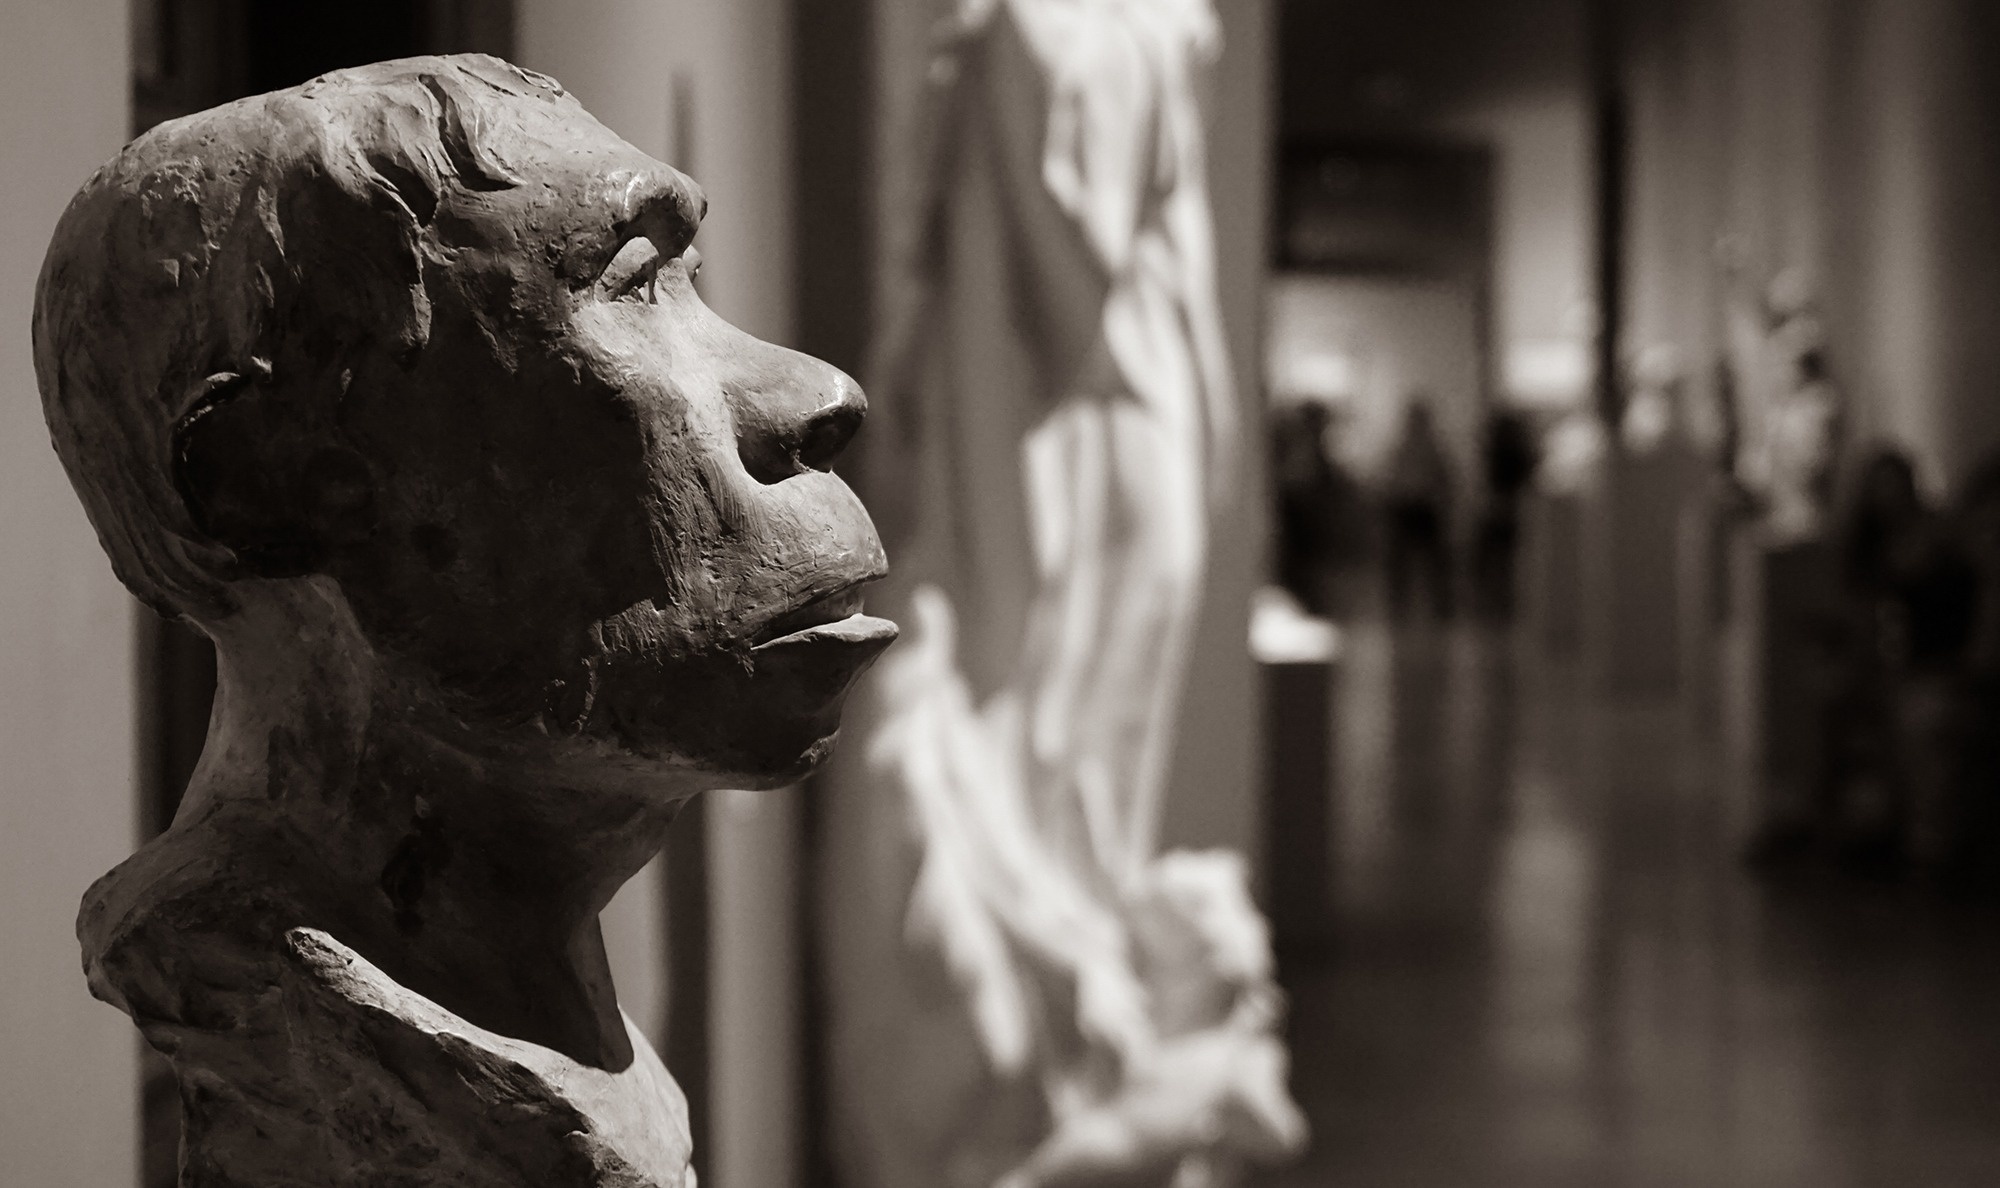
(834, 619)
(855, 629)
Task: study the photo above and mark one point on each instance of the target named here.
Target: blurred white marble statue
(1796, 415)
(1060, 373)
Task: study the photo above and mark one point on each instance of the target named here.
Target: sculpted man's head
(398, 382)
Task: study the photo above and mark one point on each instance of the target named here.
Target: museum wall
(1851, 142)
(1510, 77)
(1915, 260)
(68, 1108)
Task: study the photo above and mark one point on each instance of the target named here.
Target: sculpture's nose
(794, 414)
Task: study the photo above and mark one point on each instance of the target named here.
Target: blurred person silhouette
(1934, 606)
(1975, 853)
(1885, 508)
(1303, 478)
(1856, 809)
(1318, 504)
(1417, 512)
(1511, 456)
(1894, 725)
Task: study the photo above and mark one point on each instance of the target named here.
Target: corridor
(1547, 968)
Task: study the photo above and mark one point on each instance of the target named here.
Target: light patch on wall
(1299, 375)
(1404, 339)
(1552, 373)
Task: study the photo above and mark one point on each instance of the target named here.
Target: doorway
(1379, 302)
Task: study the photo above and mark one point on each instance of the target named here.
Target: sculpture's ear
(266, 477)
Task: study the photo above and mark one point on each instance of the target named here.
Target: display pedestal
(1551, 596)
(1632, 630)
(1298, 701)
(1783, 597)
(1706, 529)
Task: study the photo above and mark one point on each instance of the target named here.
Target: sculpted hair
(270, 245)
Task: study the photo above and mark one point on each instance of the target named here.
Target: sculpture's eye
(633, 272)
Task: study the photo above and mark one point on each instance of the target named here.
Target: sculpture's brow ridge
(459, 129)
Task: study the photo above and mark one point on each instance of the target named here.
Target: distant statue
(1803, 437)
(1794, 414)
(1063, 396)
(397, 386)
(1655, 405)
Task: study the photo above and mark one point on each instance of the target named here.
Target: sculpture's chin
(778, 771)
(769, 752)
(762, 720)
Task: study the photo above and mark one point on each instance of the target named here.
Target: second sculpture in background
(1067, 1006)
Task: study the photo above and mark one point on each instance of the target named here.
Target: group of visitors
(1911, 772)
(1329, 523)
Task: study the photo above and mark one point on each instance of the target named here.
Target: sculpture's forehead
(532, 130)
(579, 175)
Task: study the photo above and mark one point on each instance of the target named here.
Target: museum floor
(1546, 967)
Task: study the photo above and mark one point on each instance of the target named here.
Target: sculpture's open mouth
(835, 619)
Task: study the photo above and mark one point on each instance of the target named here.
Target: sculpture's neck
(467, 879)
(482, 892)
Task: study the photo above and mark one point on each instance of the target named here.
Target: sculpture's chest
(365, 1082)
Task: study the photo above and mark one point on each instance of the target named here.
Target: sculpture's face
(592, 509)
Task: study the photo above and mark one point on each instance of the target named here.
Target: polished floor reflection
(1546, 968)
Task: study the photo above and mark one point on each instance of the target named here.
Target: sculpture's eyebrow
(662, 204)
(654, 202)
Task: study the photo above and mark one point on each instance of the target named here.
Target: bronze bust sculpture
(396, 384)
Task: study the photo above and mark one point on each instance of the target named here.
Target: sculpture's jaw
(761, 718)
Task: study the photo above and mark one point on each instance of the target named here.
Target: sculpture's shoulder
(479, 1108)
(181, 933)
(285, 1040)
